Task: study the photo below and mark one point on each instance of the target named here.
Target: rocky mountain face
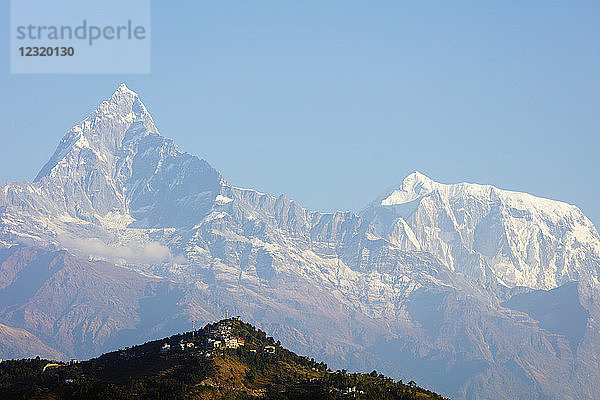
(475, 291)
(81, 307)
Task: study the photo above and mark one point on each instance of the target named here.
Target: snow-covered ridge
(522, 239)
(424, 270)
(116, 163)
(417, 185)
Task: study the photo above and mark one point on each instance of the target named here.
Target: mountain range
(477, 292)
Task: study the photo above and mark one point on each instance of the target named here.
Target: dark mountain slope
(226, 360)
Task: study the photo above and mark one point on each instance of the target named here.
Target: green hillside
(226, 360)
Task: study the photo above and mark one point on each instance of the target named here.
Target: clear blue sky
(331, 102)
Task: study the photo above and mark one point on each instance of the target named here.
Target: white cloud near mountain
(130, 252)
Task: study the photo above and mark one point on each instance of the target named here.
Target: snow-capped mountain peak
(99, 137)
(127, 104)
(522, 239)
(115, 166)
(414, 186)
(123, 90)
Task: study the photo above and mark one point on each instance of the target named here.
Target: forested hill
(226, 360)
